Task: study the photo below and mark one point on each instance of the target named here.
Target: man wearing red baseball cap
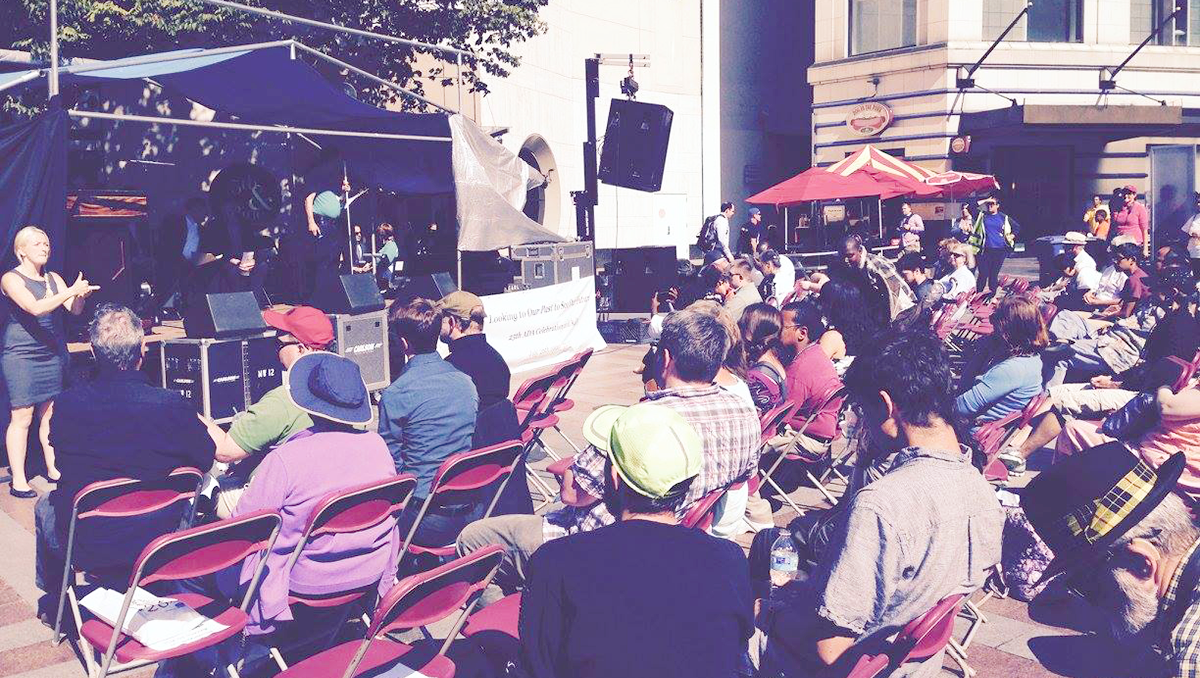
(274, 418)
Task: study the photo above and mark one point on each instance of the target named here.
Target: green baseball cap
(599, 424)
(653, 449)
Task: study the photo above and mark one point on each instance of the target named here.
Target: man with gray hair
(745, 293)
(1123, 540)
(116, 426)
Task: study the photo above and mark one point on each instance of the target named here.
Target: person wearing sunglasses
(274, 418)
(1127, 543)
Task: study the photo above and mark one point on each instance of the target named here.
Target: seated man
(885, 292)
(687, 594)
(426, 415)
(810, 378)
(332, 455)
(274, 418)
(470, 352)
(745, 293)
(692, 347)
(912, 268)
(1140, 569)
(117, 426)
(930, 527)
(1112, 280)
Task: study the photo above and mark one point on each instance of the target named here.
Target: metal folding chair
(461, 479)
(414, 603)
(788, 454)
(919, 640)
(118, 498)
(192, 553)
(353, 509)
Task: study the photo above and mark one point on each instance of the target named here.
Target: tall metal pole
(586, 227)
(458, 59)
(53, 81)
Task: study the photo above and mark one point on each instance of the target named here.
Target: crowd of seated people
(612, 583)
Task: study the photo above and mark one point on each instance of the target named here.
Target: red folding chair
(351, 510)
(195, 552)
(460, 480)
(414, 603)
(559, 402)
(118, 498)
(501, 616)
(919, 640)
(789, 454)
(530, 400)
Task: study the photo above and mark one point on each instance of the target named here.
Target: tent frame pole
(52, 85)
(31, 75)
(334, 27)
(248, 127)
(370, 76)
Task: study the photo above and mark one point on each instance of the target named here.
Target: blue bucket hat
(329, 386)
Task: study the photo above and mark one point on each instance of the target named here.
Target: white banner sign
(540, 327)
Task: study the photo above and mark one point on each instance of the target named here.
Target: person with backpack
(714, 235)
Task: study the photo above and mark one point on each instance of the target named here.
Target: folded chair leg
(233, 672)
(782, 494)
(959, 658)
(544, 489)
(84, 647)
(821, 488)
(278, 659)
(569, 441)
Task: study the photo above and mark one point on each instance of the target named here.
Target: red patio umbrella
(818, 184)
(959, 184)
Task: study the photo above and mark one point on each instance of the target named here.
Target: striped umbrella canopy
(871, 157)
(945, 184)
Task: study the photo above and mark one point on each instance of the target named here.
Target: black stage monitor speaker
(638, 273)
(433, 286)
(224, 315)
(353, 293)
(635, 145)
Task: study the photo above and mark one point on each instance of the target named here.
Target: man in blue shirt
(426, 415)
(992, 240)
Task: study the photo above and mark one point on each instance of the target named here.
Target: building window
(876, 25)
(1046, 21)
(1146, 15)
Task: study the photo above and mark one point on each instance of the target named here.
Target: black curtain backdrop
(33, 183)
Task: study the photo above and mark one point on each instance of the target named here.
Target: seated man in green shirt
(274, 418)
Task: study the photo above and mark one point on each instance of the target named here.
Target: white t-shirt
(1112, 280)
(1086, 275)
(959, 280)
(785, 278)
(722, 226)
(1192, 228)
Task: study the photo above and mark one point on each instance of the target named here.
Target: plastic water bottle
(785, 561)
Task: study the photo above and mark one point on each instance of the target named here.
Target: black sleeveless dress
(34, 358)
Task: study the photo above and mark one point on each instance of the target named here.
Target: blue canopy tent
(264, 87)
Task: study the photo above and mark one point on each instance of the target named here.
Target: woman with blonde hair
(1016, 375)
(35, 351)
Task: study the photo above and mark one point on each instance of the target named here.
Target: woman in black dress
(35, 349)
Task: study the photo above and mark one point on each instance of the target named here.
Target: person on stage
(323, 210)
(34, 359)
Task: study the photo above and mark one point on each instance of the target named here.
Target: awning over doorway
(1109, 123)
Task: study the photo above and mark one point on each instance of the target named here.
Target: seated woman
(1016, 377)
(848, 324)
(1177, 431)
(959, 279)
(762, 325)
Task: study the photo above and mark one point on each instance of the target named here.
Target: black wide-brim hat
(328, 386)
(1083, 504)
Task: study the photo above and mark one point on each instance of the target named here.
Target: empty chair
(415, 602)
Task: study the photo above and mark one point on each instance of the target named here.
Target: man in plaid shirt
(1124, 540)
(693, 346)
